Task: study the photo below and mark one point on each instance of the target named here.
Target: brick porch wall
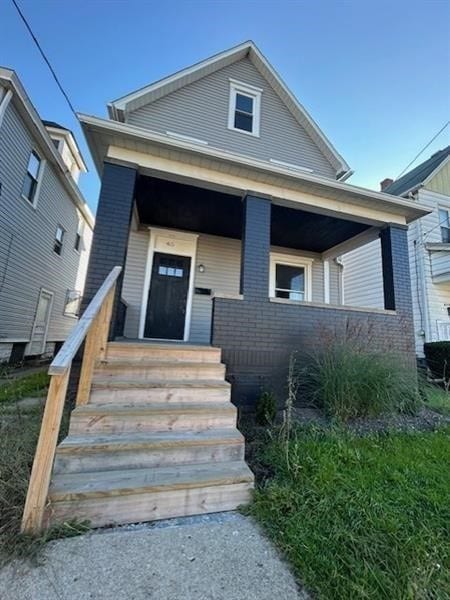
(257, 338)
(257, 335)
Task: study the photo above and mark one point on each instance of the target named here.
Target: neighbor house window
(72, 304)
(444, 222)
(290, 277)
(79, 236)
(30, 184)
(59, 237)
(244, 108)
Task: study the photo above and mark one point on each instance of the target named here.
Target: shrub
(437, 355)
(266, 408)
(349, 383)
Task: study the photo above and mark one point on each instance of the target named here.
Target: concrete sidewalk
(215, 557)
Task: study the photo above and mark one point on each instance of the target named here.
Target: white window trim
(443, 208)
(247, 90)
(192, 238)
(40, 177)
(291, 261)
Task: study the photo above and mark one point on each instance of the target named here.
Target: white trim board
(174, 242)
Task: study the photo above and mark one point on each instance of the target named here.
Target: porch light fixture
(201, 268)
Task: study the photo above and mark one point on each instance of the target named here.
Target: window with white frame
(31, 181)
(244, 110)
(79, 236)
(444, 222)
(72, 304)
(59, 237)
(290, 277)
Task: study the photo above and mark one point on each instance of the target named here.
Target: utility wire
(39, 47)
(423, 149)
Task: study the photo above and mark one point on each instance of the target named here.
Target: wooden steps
(134, 392)
(134, 495)
(141, 450)
(157, 439)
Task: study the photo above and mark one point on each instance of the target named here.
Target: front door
(41, 321)
(167, 299)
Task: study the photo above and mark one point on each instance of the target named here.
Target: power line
(39, 47)
(423, 149)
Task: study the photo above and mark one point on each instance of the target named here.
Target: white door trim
(165, 241)
(44, 339)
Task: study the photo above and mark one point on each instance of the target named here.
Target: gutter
(91, 123)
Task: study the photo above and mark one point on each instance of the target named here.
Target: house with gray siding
(429, 253)
(222, 215)
(45, 228)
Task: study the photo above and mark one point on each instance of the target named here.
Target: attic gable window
(244, 109)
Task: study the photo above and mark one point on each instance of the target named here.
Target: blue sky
(373, 74)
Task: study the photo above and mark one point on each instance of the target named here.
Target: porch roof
(167, 204)
(152, 151)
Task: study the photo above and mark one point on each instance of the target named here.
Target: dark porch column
(396, 274)
(112, 225)
(255, 253)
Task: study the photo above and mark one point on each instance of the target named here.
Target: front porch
(256, 276)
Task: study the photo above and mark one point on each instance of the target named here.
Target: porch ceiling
(173, 205)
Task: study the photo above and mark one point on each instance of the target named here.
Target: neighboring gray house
(45, 227)
(429, 253)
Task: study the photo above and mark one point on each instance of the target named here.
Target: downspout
(422, 296)
(340, 266)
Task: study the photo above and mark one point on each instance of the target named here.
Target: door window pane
(289, 282)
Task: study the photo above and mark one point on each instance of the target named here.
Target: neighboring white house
(46, 227)
(429, 253)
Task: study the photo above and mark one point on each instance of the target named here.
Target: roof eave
(93, 126)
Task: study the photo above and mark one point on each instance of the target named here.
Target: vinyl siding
(222, 260)
(200, 110)
(440, 183)
(27, 260)
(363, 276)
(363, 279)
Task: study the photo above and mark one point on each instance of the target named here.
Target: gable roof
(150, 93)
(418, 176)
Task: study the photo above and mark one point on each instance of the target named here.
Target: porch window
(444, 223)
(289, 282)
(244, 108)
(290, 277)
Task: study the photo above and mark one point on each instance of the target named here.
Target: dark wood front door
(167, 298)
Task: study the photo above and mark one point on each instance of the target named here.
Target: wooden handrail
(63, 359)
(94, 326)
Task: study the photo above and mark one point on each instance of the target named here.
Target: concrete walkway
(215, 557)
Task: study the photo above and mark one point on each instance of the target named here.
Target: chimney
(386, 183)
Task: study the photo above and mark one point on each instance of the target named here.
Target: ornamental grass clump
(348, 383)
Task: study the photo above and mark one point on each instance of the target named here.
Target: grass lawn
(15, 388)
(438, 399)
(360, 517)
(19, 430)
